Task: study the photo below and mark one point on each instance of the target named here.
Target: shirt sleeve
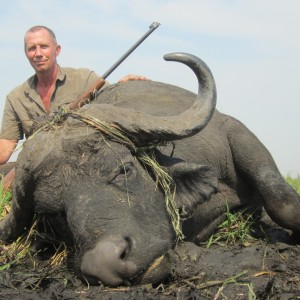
(11, 128)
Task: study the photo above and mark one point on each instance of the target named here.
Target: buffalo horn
(146, 128)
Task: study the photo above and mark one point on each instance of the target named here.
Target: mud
(265, 268)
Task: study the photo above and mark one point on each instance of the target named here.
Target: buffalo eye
(123, 173)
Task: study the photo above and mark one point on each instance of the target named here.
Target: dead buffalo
(88, 173)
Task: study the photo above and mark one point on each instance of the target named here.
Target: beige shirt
(23, 104)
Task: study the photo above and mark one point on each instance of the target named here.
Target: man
(42, 93)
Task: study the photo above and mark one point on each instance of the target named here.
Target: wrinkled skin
(105, 205)
(246, 172)
(98, 191)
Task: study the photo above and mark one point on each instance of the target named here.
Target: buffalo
(145, 166)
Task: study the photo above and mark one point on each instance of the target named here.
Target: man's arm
(6, 149)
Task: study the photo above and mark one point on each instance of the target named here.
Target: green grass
(5, 197)
(236, 229)
(294, 182)
(237, 226)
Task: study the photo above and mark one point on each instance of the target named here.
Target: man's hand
(130, 77)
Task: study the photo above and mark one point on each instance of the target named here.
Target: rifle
(90, 95)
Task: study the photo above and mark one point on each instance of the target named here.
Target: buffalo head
(90, 177)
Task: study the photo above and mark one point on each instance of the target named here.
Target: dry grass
(14, 253)
(164, 180)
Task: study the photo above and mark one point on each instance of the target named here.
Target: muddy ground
(261, 269)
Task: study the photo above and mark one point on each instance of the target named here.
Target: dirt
(260, 269)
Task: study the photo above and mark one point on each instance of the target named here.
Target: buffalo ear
(194, 184)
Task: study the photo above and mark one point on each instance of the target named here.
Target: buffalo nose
(108, 263)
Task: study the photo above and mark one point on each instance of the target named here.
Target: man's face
(41, 50)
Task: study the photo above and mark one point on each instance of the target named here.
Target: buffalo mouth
(157, 272)
(112, 262)
(154, 274)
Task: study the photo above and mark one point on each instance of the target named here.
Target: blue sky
(252, 48)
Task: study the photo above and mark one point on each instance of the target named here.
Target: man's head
(41, 48)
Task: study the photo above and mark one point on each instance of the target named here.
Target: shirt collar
(29, 85)
(61, 74)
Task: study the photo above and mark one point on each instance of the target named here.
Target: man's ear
(194, 184)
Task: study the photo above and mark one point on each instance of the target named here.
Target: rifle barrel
(152, 27)
(92, 91)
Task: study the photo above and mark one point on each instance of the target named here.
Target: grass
(5, 197)
(294, 182)
(236, 229)
(14, 253)
(163, 179)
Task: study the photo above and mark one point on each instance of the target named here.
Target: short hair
(39, 27)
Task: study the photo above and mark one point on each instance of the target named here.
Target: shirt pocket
(64, 100)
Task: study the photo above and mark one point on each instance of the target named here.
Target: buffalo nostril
(127, 248)
(109, 263)
(124, 254)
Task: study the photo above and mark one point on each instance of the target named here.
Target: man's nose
(38, 51)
